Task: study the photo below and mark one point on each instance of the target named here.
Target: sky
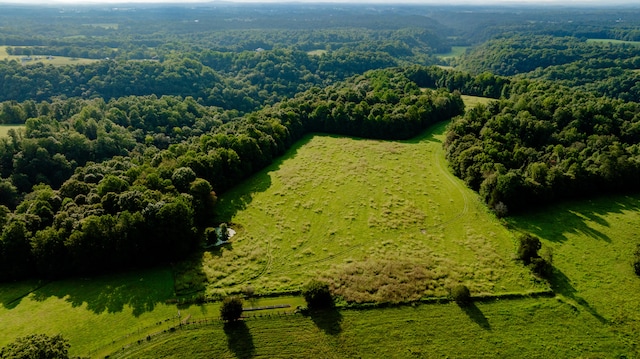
(448, 2)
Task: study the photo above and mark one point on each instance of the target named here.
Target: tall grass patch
(380, 220)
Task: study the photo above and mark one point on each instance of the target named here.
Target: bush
(636, 261)
(317, 295)
(231, 309)
(541, 267)
(461, 294)
(37, 346)
(528, 248)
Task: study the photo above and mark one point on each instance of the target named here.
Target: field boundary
(191, 323)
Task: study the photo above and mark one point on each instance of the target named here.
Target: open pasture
(381, 220)
(56, 60)
(456, 51)
(592, 242)
(90, 312)
(472, 101)
(525, 328)
(614, 41)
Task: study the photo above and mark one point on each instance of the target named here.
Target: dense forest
(120, 160)
(133, 181)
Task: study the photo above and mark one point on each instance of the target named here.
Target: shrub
(541, 267)
(37, 346)
(317, 295)
(528, 248)
(231, 309)
(461, 294)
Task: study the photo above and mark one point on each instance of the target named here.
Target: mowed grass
(57, 60)
(4, 129)
(380, 220)
(91, 312)
(525, 328)
(593, 243)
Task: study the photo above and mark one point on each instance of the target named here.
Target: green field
(4, 129)
(472, 101)
(527, 328)
(380, 220)
(613, 41)
(317, 52)
(456, 51)
(56, 60)
(592, 243)
(595, 314)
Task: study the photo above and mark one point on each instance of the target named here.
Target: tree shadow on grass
(139, 290)
(240, 196)
(328, 320)
(239, 339)
(561, 284)
(474, 313)
(574, 217)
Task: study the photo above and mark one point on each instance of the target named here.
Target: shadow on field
(239, 339)
(575, 217)
(561, 284)
(141, 291)
(189, 279)
(328, 320)
(429, 134)
(474, 313)
(241, 196)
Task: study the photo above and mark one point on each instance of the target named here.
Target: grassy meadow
(472, 101)
(57, 60)
(456, 51)
(379, 220)
(523, 328)
(592, 242)
(613, 41)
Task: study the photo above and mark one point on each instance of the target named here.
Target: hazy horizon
(378, 2)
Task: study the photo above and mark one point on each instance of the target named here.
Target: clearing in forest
(381, 220)
(4, 129)
(53, 60)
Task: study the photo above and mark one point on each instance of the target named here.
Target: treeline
(240, 81)
(522, 53)
(108, 191)
(545, 145)
(610, 78)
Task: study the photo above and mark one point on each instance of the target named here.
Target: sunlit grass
(91, 312)
(614, 41)
(4, 129)
(527, 328)
(318, 52)
(472, 101)
(56, 60)
(380, 220)
(592, 243)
